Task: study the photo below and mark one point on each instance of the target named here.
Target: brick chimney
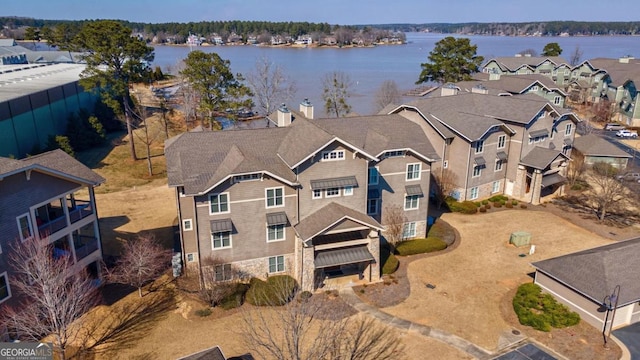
(284, 116)
(306, 108)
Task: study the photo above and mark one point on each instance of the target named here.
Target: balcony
(81, 210)
(84, 245)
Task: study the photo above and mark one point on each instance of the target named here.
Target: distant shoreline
(296, 46)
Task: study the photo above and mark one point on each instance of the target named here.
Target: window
(474, 193)
(413, 171)
(502, 139)
(317, 194)
(275, 197)
(554, 72)
(567, 130)
(396, 153)
(498, 165)
(5, 291)
(477, 171)
(495, 187)
(534, 88)
(191, 257)
(566, 71)
(275, 232)
(333, 155)
(347, 191)
(373, 176)
(223, 272)
(333, 192)
(556, 100)
(219, 203)
(25, 227)
(372, 206)
(478, 146)
(411, 202)
(276, 264)
(221, 240)
(409, 230)
(247, 177)
(187, 225)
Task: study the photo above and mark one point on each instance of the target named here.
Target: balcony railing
(85, 245)
(52, 226)
(81, 211)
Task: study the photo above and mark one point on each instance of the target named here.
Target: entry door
(508, 189)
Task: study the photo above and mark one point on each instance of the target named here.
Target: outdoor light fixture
(610, 303)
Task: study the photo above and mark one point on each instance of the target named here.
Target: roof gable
(330, 216)
(540, 158)
(55, 163)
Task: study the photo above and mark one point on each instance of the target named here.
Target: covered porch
(337, 247)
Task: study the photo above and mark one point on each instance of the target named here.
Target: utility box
(520, 238)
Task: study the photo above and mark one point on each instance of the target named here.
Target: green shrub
(478, 204)
(496, 198)
(485, 202)
(514, 202)
(541, 311)
(576, 187)
(59, 142)
(391, 265)
(465, 207)
(236, 298)
(276, 291)
(203, 312)
(442, 230)
(305, 295)
(420, 246)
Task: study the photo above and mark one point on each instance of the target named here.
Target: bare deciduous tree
(445, 182)
(219, 279)
(336, 89)
(146, 136)
(606, 189)
(576, 56)
(54, 295)
(388, 93)
(270, 85)
(576, 167)
(143, 259)
(313, 328)
(393, 221)
(603, 111)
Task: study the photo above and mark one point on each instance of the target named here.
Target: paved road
(630, 336)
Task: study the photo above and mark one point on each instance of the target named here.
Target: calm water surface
(369, 67)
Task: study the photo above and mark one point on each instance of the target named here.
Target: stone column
(308, 269)
(374, 248)
(520, 185)
(536, 186)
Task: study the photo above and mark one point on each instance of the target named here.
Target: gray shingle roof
(471, 115)
(537, 133)
(214, 353)
(514, 84)
(596, 272)
(329, 215)
(593, 145)
(618, 71)
(540, 158)
(57, 162)
(513, 63)
(200, 160)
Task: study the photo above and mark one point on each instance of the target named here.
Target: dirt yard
(473, 281)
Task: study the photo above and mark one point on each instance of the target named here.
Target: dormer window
(334, 155)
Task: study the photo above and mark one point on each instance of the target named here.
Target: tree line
(546, 28)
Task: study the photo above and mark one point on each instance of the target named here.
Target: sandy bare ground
(472, 280)
(143, 208)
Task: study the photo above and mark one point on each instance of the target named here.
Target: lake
(369, 67)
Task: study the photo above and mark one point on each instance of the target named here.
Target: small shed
(520, 238)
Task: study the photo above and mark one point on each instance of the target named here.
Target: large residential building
(306, 198)
(513, 145)
(48, 196)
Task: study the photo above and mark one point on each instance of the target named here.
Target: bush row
(276, 291)
(420, 246)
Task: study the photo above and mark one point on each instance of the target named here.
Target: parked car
(614, 127)
(627, 134)
(629, 177)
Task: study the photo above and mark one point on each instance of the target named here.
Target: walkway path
(474, 350)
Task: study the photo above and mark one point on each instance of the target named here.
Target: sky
(347, 12)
